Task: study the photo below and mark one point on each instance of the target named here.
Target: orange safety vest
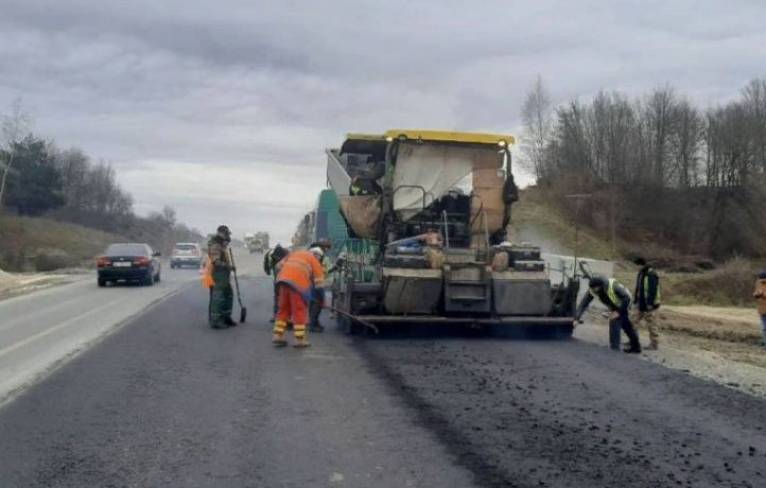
(301, 271)
(207, 274)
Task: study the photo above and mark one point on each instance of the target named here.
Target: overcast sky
(222, 109)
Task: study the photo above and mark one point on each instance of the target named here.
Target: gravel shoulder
(717, 348)
(15, 284)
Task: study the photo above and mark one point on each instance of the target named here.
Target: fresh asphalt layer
(166, 401)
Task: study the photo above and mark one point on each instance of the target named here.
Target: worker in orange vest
(301, 272)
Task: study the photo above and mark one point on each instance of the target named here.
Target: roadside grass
(40, 244)
(536, 220)
(721, 324)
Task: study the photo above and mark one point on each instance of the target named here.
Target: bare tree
(755, 104)
(687, 143)
(13, 128)
(536, 115)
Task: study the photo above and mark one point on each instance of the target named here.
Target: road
(166, 401)
(40, 330)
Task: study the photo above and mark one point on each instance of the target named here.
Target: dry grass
(737, 325)
(30, 244)
(729, 285)
(536, 220)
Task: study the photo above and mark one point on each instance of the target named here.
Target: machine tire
(101, 282)
(148, 279)
(158, 278)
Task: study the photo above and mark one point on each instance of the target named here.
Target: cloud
(246, 94)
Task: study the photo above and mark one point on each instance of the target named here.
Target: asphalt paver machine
(428, 214)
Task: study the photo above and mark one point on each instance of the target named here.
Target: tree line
(37, 178)
(657, 168)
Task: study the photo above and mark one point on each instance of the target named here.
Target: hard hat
(317, 251)
(598, 281)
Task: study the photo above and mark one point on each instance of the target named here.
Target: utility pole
(613, 223)
(578, 198)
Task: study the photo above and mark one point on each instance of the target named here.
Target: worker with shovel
(219, 267)
(300, 273)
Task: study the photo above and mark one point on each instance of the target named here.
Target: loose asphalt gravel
(166, 401)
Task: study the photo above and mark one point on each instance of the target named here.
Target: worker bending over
(617, 299)
(300, 273)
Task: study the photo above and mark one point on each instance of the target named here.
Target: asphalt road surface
(41, 330)
(166, 401)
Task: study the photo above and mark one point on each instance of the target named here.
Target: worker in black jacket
(270, 261)
(617, 299)
(648, 296)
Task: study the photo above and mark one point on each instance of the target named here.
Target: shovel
(359, 320)
(242, 309)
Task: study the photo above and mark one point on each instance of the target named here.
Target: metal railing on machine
(360, 256)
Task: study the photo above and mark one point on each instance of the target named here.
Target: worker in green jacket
(648, 295)
(221, 294)
(617, 299)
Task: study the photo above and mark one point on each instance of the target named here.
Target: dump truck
(427, 215)
(258, 242)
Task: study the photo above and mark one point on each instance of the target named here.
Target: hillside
(535, 220)
(40, 244)
(687, 279)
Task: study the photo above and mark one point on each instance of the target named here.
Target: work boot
(229, 321)
(300, 336)
(317, 328)
(632, 350)
(652, 347)
(278, 339)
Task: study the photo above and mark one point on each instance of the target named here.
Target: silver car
(186, 254)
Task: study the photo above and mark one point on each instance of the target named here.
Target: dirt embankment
(729, 324)
(39, 244)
